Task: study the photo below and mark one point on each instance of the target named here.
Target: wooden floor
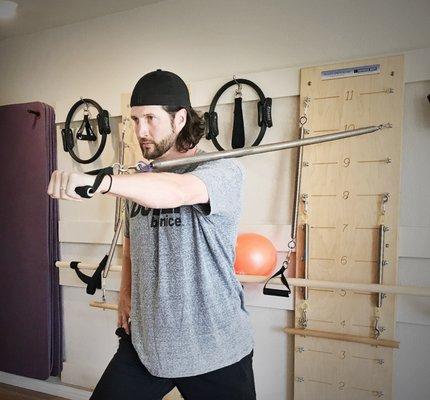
(8, 392)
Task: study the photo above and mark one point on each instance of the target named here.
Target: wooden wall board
(331, 369)
(346, 184)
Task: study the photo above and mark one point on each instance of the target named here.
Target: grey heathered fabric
(188, 315)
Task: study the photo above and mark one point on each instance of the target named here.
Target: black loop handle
(264, 113)
(89, 191)
(278, 292)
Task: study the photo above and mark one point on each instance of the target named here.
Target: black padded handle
(88, 191)
(85, 191)
(276, 292)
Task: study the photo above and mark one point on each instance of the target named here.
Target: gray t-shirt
(188, 315)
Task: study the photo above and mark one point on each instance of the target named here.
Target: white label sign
(351, 71)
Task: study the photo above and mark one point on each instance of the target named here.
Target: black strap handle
(278, 292)
(238, 136)
(93, 282)
(264, 113)
(88, 191)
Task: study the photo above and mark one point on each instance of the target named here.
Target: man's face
(154, 129)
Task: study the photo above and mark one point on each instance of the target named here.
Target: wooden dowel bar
(365, 287)
(296, 331)
(299, 282)
(83, 265)
(343, 337)
(104, 305)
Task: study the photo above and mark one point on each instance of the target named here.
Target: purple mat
(29, 284)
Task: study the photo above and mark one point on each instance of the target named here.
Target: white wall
(202, 40)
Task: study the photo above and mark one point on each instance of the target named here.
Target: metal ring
(303, 119)
(116, 168)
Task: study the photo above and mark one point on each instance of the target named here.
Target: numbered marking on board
(349, 94)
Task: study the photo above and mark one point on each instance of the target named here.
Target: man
(188, 324)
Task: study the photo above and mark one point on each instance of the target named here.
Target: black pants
(126, 378)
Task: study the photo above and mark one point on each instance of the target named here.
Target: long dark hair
(193, 130)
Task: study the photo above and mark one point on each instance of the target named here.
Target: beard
(156, 150)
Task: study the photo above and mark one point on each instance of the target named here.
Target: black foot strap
(238, 136)
(93, 282)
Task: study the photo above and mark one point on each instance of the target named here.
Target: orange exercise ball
(255, 255)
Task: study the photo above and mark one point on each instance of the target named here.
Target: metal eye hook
(385, 197)
(306, 103)
(239, 87)
(117, 168)
(86, 107)
(377, 331)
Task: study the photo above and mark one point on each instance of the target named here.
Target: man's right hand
(124, 308)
